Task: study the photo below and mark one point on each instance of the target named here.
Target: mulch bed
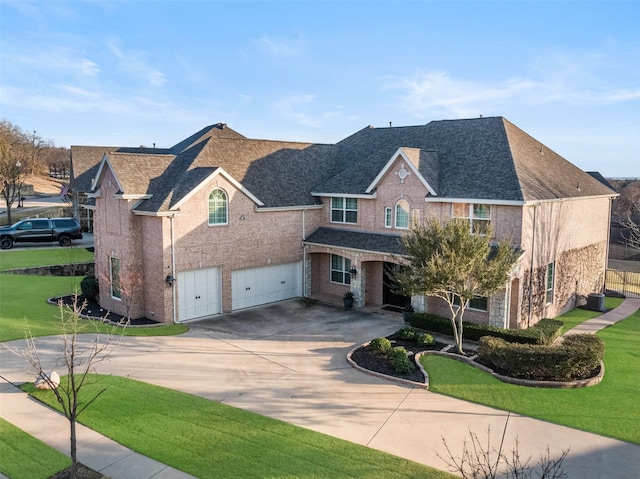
(90, 308)
(82, 472)
(373, 360)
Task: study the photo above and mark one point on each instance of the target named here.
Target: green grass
(24, 298)
(24, 457)
(609, 408)
(209, 439)
(578, 316)
(27, 258)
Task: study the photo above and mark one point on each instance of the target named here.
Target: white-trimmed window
(549, 283)
(479, 216)
(114, 277)
(402, 214)
(218, 207)
(340, 268)
(344, 210)
(388, 217)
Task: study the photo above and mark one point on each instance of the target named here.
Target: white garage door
(199, 293)
(251, 287)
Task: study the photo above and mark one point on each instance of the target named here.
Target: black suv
(62, 230)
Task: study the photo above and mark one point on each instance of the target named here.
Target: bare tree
(78, 356)
(14, 163)
(480, 461)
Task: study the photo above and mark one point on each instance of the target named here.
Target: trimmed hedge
(544, 332)
(575, 358)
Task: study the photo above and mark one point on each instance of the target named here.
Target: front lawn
(25, 457)
(24, 297)
(209, 439)
(609, 408)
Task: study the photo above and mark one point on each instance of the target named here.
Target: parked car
(62, 230)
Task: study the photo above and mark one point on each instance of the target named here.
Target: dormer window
(344, 210)
(218, 207)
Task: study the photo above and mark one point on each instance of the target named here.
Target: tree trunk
(74, 457)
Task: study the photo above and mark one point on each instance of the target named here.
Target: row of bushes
(576, 357)
(544, 332)
(398, 355)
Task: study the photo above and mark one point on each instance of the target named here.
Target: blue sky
(135, 73)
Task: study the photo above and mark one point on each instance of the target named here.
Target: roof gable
(412, 157)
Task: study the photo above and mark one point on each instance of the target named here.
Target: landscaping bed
(90, 308)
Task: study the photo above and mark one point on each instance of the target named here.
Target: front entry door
(388, 295)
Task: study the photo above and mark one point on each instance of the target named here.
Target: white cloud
(281, 47)
(60, 60)
(303, 109)
(437, 94)
(133, 62)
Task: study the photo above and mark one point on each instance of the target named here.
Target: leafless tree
(484, 461)
(20, 154)
(78, 356)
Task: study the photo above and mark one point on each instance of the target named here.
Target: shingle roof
(373, 242)
(482, 158)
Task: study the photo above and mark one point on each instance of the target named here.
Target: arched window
(218, 210)
(402, 214)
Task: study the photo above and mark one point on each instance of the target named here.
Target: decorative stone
(52, 381)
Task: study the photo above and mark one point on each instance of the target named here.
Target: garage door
(252, 287)
(199, 293)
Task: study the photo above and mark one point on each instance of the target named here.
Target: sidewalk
(94, 450)
(626, 309)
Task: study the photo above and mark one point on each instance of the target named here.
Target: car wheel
(64, 241)
(6, 243)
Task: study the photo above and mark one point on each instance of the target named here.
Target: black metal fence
(622, 283)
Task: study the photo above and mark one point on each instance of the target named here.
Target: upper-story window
(479, 216)
(218, 207)
(344, 210)
(402, 214)
(388, 217)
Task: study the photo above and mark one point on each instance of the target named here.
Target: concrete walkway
(626, 309)
(288, 361)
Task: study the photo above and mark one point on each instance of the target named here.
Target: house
(220, 222)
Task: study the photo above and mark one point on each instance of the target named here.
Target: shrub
(407, 334)
(575, 358)
(401, 361)
(424, 339)
(89, 287)
(381, 344)
(544, 332)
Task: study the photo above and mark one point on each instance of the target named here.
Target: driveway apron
(288, 361)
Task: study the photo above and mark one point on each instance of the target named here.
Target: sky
(132, 73)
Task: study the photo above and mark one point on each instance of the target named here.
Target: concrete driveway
(288, 361)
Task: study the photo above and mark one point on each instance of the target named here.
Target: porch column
(419, 304)
(499, 307)
(307, 276)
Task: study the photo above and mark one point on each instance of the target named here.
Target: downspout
(533, 249)
(304, 255)
(173, 270)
